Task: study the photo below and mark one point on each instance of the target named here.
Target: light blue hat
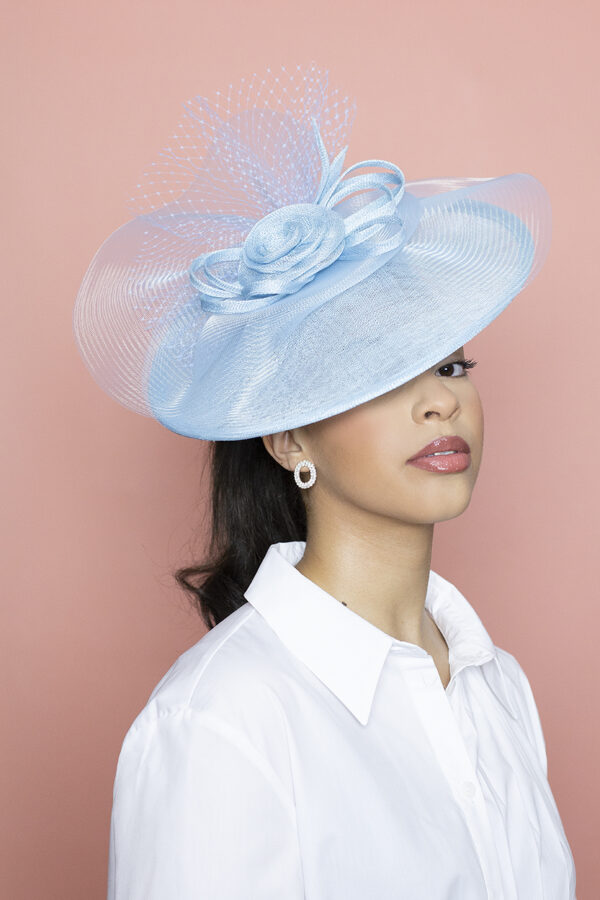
(261, 287)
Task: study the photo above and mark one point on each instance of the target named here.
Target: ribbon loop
(285, 249)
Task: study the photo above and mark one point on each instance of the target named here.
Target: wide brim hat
(260, 288)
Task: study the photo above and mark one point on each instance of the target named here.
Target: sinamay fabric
(208, 368)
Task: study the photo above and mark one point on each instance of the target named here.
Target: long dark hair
(254, 502)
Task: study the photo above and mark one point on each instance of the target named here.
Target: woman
(346, 728)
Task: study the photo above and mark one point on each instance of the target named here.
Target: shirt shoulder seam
(216, 649)
(230, 734)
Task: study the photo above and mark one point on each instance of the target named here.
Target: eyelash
(465, 363)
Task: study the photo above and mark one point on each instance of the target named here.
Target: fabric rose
(285, 249)
(350, 218)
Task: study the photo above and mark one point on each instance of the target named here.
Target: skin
(370, 515)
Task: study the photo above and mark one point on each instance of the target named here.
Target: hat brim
(306, 358)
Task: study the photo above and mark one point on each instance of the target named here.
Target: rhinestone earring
(313, 474)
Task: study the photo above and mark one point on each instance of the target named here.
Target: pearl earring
(313, 474)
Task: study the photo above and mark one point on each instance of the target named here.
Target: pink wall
(100, 503)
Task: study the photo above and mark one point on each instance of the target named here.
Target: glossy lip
(445, 442)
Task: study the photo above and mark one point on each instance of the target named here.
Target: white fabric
(298, 751)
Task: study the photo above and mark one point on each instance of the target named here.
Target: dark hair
(254, 502)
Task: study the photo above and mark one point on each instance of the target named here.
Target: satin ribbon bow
(285, 249)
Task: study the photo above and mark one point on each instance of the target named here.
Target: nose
(436, 399)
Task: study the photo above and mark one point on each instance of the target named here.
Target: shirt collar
(346, 651)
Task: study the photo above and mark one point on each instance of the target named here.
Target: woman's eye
(463, 365)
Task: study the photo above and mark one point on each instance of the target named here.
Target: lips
(443, 444)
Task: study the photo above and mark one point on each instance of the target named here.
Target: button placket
(438, 719)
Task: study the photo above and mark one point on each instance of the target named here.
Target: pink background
(100, 505)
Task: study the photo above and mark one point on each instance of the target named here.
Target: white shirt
(298, 751)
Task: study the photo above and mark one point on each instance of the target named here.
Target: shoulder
(515, 675)
(521, 695)
(229, 681)
(207, 756)
(514, 682)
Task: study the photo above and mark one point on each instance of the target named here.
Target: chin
(437, 507)
(451, 509)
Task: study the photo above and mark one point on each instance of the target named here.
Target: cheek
(475, 422)
(470, 425)
(352, 448)
(362, 455)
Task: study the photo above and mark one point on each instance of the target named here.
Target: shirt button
(468, 789)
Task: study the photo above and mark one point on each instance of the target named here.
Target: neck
(379, 570)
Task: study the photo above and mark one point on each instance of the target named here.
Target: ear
(285, 447)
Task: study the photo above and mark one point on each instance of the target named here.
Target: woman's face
(361, 454)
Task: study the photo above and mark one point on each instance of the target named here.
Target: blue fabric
(262, 287)
(284, 250)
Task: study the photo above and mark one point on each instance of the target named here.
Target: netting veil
(260, 286)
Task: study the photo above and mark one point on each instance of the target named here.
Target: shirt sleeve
(199, 814)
